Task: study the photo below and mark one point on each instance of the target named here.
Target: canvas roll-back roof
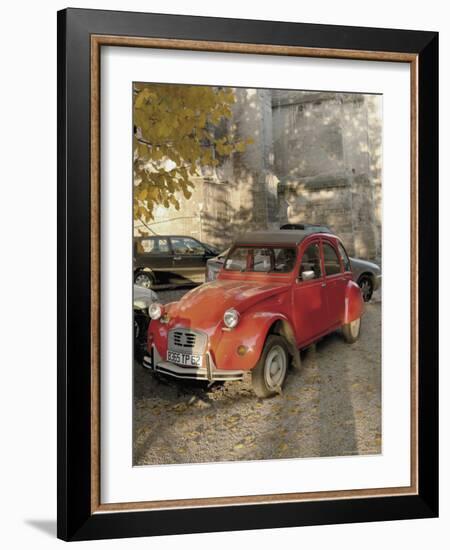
(284, 237)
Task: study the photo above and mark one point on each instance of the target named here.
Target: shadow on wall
(328, 160)
(222, 222)
(242, 194)
(316, 158)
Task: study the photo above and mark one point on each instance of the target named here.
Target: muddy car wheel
(270, 373)
(144, 279)
(366, 285)
(351, 331)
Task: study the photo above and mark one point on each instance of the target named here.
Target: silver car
(367, 275)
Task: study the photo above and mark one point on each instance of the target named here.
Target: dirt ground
(330, 407)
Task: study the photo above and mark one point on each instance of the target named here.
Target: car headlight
(231, 318)
(155, 311)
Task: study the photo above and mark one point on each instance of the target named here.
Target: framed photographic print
(247, 251)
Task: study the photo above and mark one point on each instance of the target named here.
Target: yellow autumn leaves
(177, 130)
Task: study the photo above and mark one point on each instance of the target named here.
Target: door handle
(323, 284)
(177, 257)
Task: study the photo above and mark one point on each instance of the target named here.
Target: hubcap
(144, 281)
(275, 367)
(354, 327)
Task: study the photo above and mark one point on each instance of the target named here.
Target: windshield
(261, 259)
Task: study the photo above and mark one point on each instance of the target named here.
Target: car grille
(187, 341)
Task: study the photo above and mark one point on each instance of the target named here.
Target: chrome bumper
(210, 372)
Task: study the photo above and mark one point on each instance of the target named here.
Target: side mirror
(308, 275)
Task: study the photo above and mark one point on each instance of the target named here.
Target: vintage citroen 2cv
(278, 292)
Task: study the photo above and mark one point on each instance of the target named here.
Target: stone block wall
(328, 160)
(315, 158)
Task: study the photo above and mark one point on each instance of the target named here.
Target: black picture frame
(75, 518)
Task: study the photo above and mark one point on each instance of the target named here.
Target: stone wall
(327, 161)
(315, 158)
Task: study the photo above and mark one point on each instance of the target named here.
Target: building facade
(316, 157)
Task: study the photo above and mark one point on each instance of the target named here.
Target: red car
(278, 292)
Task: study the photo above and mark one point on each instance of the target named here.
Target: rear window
(261, 259)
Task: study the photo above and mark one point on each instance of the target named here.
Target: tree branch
(149, 228)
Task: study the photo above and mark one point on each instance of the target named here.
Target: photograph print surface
(257, 253)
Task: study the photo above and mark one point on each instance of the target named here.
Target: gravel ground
(330, 407)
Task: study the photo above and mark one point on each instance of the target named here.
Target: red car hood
(203, 307)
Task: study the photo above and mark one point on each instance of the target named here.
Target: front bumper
(154, 362)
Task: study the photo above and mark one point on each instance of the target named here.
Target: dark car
(168, 260)
(307, 226)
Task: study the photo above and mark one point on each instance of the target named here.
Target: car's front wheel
(144, 279)
(351, 331)
(270, 372)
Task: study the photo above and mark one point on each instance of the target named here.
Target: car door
(154, 253)
(189, 259)
(335, 282)
(309, 299)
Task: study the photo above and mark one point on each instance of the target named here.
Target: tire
(366, 285)
(351, 331)
(270, 372)
(141, 321)
(144, 279)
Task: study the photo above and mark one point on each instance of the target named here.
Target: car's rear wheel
(270, 372)
(144, 279)
(351, 331)
(366, 285)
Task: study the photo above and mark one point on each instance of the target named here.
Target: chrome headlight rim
(155, 311)
(231, 318)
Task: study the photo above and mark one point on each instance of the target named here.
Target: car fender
(354, 304)
(252, 332)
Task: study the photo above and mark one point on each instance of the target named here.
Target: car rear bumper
(376, 282)
(210, 373)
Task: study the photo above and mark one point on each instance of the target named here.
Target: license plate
(185, 359)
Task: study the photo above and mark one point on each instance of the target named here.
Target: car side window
(145, 246)
(331, 260)
(161, 246)
(153, 245)
(344, 258)
(183, 245)
(311, 261)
